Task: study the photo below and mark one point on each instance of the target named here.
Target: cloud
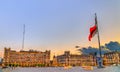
(108, 47)
(92, 50)
(113, 46)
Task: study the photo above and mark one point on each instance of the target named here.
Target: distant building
(111, 58)
(74, 60)
(88, 60)
(26, 58)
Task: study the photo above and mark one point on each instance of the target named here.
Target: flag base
(100, 66)
(100, 62)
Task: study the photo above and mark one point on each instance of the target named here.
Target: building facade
(111, 58)
(74, 60)
(26, 58)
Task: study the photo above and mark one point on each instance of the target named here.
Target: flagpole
(100, 61)
(23, 36)
(98, 35)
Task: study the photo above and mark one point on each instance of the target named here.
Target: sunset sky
(57, 25)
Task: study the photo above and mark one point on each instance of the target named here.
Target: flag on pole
(93, 30)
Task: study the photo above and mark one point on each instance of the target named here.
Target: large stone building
(74, 60)
(111, 58)
(26, 58)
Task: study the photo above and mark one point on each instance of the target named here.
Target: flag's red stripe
(92, 31)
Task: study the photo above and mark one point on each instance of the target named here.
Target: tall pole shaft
(23, 36)
(98, 35)
(99, 44)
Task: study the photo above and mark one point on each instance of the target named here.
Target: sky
(57, 25)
